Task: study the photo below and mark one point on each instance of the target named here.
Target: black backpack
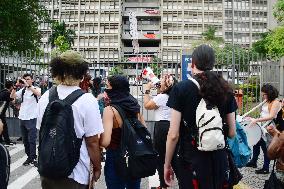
(5, 161)
(137, 157)
(59, 147)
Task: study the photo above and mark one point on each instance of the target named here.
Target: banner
(186, 67)
(134, 31)
(139, 59)
(152, 11)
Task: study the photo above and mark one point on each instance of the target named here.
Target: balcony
(143, 35)
(137, 4)
(147, 27)
(141, 49)
(142, 12)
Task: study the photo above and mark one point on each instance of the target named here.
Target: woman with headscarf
(117, 93)
(162, 121)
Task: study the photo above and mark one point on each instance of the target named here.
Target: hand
(25, 82)
(168, 175)
(148, 86)
(97, 174)
(100, 96)
(253, 122)
(272, 130)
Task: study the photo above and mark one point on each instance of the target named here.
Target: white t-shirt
(28, 109)
(87, 121)
(163, 112)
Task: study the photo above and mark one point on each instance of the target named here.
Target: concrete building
(103, 29)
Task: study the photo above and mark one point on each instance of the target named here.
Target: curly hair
(271, 91)
(213, 88)
(170, 81)
(69, 65)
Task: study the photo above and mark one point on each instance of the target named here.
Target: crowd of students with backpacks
(193, 120)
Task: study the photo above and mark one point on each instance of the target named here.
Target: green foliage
(275, 42)
(19, 23)
(209, 35)
(278, 11)
(59, 30)
(116, 70)
(260, 45)
(157, 69)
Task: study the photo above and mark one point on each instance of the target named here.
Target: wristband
(29, 86)
(147, 92)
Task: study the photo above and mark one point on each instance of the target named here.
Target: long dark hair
(272, 92)
(213, 88)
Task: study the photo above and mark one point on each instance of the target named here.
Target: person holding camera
(27, 115)
(5, 99)
(162, 120)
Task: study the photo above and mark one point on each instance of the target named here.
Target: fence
(245, 72)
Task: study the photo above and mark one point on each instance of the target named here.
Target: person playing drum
(268, 112)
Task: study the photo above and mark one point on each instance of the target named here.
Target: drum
(253, 132)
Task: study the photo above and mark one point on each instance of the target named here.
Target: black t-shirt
(185, 98)
(4, 98)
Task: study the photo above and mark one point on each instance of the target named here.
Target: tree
(19, 23)
(210, 35)
(278, 11)
(260, 45)
(60, 30)
(275, 42)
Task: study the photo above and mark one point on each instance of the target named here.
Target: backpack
(137, 157)
(59, 147)
(239, 147)
(23, 92)
(210, 134)
(5, 161)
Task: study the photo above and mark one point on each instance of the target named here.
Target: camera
(21, 81)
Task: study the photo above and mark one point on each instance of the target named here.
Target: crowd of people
(98, 124)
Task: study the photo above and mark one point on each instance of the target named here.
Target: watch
(147, 92)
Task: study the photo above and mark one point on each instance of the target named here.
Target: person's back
(87, 122)
(197, 168)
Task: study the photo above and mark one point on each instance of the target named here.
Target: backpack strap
(120, 111)
(123, 128)
(195, 82)
(53, 94)
(23, 92)
(71, 98)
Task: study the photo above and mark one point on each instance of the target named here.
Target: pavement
(27, 177)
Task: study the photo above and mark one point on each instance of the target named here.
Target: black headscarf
(119, 95)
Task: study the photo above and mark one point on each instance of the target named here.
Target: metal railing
(247, 73)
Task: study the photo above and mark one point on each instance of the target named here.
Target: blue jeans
(113, 181)
(256, 151)
(29, 134)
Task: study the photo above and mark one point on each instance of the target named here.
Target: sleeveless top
(115, 136)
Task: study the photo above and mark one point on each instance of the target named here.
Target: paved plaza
(27, 177)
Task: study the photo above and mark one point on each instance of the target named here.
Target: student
(68, 70)
(162, 121)
(5, 99)
(27, 115)
(269, 112)
(117, 91)
(199, 169)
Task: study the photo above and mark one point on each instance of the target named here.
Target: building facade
(104, 32)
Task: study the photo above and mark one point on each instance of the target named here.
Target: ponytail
(213, 88)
